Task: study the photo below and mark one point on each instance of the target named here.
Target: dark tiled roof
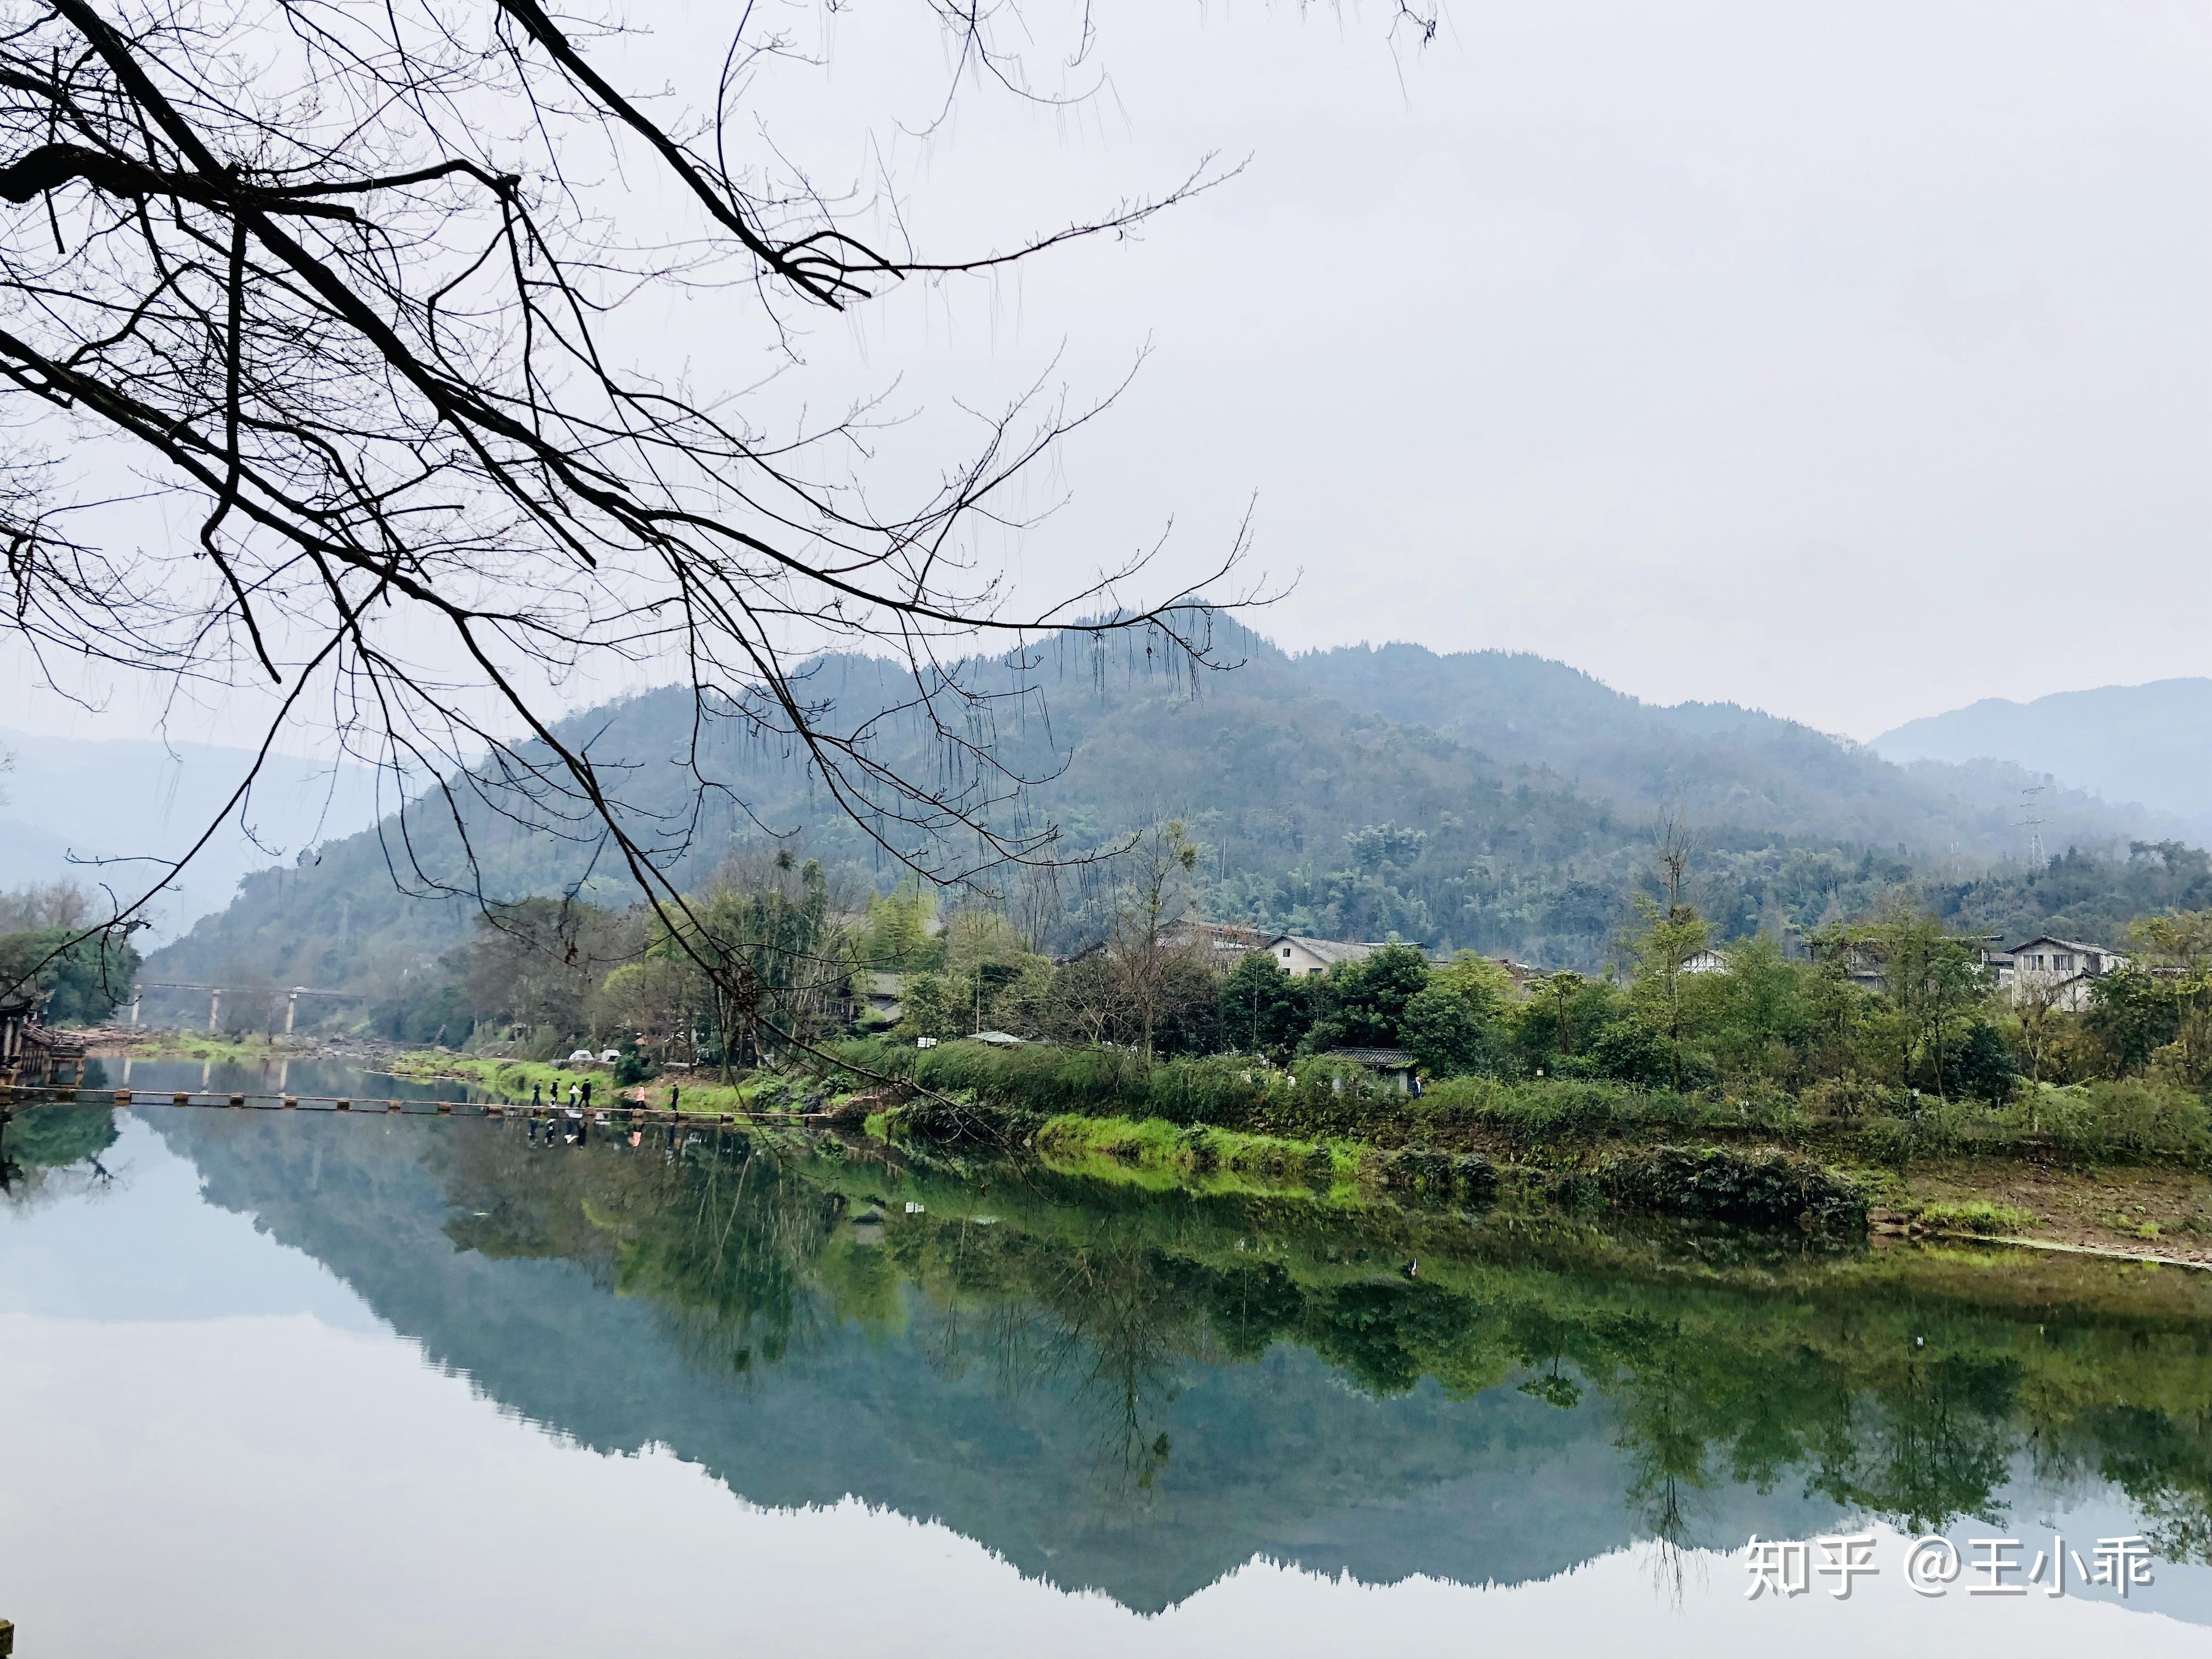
(1385, 1059)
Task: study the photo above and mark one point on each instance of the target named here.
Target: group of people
(572, 1127)
(580, 1095)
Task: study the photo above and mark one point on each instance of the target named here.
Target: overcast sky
(1851, 362)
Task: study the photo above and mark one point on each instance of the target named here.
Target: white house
(2058, 971)
(1706, 962)
(1298, 956)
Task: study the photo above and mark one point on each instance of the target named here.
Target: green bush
(1851, 1097)
(1710, 1183)
(543, 1044)
(1435, 1175)
(2108, 1119)
(1542, 1111)
(978, 1127)
(1325, 1097)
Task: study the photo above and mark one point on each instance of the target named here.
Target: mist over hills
(2151, 744)
(1489, 799)
(64, 805)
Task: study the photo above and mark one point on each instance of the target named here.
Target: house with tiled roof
(2058, 972)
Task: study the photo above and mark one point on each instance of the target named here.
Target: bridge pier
(214, 1009)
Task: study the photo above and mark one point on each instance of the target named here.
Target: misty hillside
(65, 806)
(1501, 803)
(2151, 744)
(1721, 765)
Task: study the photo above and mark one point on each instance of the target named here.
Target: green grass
(1205, 1158)
(1978, 1216)
(183, 1046)
(513, 1079)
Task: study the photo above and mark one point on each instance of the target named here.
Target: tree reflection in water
(1912, 1388)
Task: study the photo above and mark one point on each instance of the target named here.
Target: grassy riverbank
(515, 1079)
(1543, 1120)
(2120, 1166)
(186, 1045)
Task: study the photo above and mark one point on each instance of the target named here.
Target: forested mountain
(1718, 762)
(2151, 743)
(1498, 802)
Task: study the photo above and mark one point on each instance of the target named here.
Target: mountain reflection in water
(1138, 1393)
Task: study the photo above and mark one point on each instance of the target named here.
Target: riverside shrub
(1326, 1098)
(1764, 1189)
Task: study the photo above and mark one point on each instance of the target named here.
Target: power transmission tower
(2031, 821)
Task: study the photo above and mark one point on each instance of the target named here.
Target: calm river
(285, 1384)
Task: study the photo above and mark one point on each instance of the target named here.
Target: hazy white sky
(1853, 362)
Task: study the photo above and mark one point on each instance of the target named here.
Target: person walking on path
(537, 1094)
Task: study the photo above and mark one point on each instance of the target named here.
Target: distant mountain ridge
(1719, 764)
(1519, 799)
(2149, 744)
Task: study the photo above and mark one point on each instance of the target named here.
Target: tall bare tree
(343, 286)
(1158, 896)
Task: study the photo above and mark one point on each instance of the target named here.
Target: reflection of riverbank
(1136, 1392)
(1140, 1392)
(2129, 1212)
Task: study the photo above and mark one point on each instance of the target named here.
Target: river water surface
(304, 1382)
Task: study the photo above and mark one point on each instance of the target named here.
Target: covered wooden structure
(31, 1052)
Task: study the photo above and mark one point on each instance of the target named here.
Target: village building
(1298, 956)
(30, 1050)
(1864, 967)
(879, 999)
(1222, 943)
(17, 1014)
(1520, 973)
(2058, 972)
(1392, 1066)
